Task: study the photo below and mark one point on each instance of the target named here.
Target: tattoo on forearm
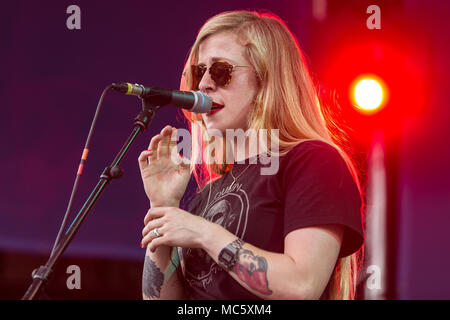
(152, 279)
(252, 270)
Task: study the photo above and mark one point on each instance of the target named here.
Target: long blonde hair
(286, 100)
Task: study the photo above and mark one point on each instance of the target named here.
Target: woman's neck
(245, 150)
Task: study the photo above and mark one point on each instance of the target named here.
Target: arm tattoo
(152, 279)
(252, 270)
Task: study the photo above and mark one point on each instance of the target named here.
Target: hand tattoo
(253, 271)
(152, 279)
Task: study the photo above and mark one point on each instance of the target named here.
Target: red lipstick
(216, 106)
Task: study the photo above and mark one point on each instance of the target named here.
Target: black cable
(80, 169)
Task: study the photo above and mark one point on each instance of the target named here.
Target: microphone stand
(43, 273)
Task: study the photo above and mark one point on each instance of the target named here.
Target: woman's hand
(175, 227)
(164, 173)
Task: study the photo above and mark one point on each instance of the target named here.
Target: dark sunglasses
(220, 72)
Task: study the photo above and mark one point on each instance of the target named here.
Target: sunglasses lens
(197, 75)
(221, 73)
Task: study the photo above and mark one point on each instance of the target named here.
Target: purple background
(51, 81)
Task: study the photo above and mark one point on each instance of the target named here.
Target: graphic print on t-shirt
(229, 208)
(314, 186)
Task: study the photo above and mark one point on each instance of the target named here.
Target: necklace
(235, 178)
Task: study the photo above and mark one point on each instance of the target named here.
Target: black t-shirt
(313, 186)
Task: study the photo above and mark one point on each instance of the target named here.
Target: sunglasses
(220, 72)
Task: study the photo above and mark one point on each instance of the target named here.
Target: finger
(177, 157)
(155, 243)
(161, 149)
(163, 145)
(153, 145)
(173, 148)
(152, 224)
(143, 158)
(167, 129)
(173, 139)
(150, 237)
(154, 213)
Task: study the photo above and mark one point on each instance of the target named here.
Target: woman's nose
(206, 83)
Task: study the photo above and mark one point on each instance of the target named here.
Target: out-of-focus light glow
(368, 94)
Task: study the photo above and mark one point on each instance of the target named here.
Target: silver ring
(156, 233)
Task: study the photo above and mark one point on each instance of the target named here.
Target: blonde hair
(286, 100)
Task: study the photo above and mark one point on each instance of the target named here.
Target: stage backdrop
(51, 78)
(50, 82)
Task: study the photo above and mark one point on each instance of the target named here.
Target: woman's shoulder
(312, 156)
(311, 148)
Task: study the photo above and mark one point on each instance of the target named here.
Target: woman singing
(291, 232)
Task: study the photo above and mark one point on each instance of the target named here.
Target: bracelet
(238, 243)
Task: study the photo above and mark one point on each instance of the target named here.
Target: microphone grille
(202, 103)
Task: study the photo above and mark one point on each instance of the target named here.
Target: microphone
(194, 101)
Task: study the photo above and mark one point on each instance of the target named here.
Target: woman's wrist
(168, 203)
(215, 238)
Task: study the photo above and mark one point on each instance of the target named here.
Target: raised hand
(164, 173)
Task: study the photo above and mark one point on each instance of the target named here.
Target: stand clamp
(110, 173)
(43, 273)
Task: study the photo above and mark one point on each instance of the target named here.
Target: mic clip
(111, 173)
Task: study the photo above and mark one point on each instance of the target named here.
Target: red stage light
(368, 94)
